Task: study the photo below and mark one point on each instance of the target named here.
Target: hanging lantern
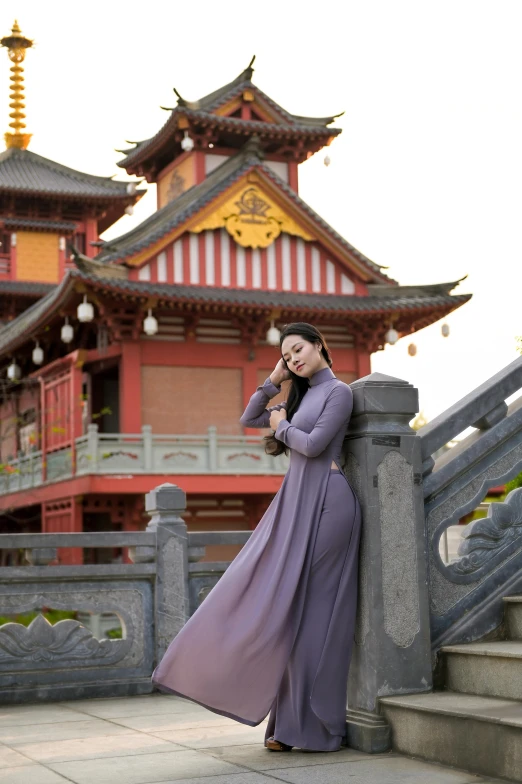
(85, 310)
(273, 335)
(187, 143)
(327, 160)
(445, 330)
(150, 325)
(392, 336)
(412, 349)
(67, 332)
(14, 372)
(129, 210)
(38, 355)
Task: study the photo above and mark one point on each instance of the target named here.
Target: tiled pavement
(153, 739)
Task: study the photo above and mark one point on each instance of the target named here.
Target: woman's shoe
(276, 745)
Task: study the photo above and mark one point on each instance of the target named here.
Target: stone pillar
(165, 504)
(382, 460)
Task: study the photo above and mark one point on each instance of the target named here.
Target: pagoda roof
(222, 95)
(411, 306)
(26, 287)
(25, 172)
(38, 224)
(204, 114)
(178, 211)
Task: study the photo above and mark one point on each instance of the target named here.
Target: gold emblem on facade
(252, 219)
(251, 225)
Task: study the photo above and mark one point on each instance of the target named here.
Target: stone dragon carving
(483, 539)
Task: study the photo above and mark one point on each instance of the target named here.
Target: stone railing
(410, 600)
(145, 453)
(152, 597)
(466, 594)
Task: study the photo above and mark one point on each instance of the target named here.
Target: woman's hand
(276, 417)
(280, 373)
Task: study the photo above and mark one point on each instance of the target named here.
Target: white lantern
(445, 330)
(38, 355)
(85, 310)
(14, 371)
(129, 210)
(131, 188)
(392, 336)
(327, 160)
(187, 143)
(273, 335)
(67, 332)
(150, 325)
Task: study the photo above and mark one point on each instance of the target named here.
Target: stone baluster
(382, 460)
(41, 556)
(212, 448)
(165, 504)
(146, 432)
(92, 447)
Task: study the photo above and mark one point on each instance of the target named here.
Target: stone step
(480, 734)
(491, 669)
(513, 611)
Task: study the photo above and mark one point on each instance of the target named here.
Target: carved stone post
(146, 434)
(212, 448)
(166, 503)
(382, 460)
(92, 447)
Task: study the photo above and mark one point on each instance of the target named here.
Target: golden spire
(16, 44)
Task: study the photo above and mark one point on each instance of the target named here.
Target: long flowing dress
(275, 634)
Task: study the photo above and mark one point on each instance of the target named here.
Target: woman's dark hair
(298, 386)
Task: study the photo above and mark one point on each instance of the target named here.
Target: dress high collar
(325, 374)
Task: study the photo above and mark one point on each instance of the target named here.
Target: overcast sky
(425, 179)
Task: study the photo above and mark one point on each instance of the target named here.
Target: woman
(275, 634)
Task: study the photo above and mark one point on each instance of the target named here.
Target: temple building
(127, 363)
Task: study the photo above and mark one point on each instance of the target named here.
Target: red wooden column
(249, 387)
(130, 387)
(64, 516)
(91, 235)
(76, 425)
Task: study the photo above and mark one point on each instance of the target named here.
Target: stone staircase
(476, 723)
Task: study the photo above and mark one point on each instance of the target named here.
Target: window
(5, 243)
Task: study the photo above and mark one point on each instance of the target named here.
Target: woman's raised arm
(256, 414)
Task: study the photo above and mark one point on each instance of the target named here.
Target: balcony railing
(144, 453)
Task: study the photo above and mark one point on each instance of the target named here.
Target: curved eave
(128, 198)
(149, 148)
(21, 330)
(409, 312)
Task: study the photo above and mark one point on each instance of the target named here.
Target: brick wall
(37, 256)
(189, 399)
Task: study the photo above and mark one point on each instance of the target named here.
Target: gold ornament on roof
(16, 44)
(251, 217)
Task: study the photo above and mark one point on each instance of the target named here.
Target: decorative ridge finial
(253, 147)
(249, 70)
(16, 44)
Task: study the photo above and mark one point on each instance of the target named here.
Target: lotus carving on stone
(42, 641)
(484, 538)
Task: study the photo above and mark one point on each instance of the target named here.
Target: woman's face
(302, 357)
